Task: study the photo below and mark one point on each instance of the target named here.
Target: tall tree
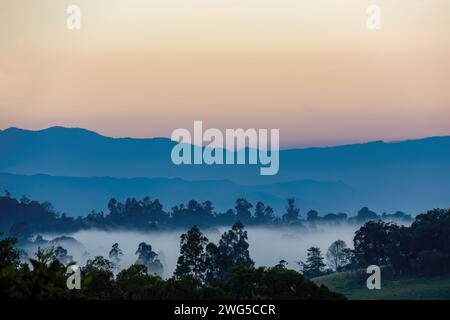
(192, 255)
(314, 265)
(292, 213)
(234, 244)
(243, 210)
(338, 255)
(373, 242)
(215, 263)
(115, 255)
(149, 258)
(263, 214)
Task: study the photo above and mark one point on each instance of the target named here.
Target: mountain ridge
(411, 175)
(79, 195)
(94, 133)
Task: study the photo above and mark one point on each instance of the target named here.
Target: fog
(267, 246)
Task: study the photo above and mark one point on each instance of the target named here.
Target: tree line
(225, 270)
(26, 216)
(423, 248)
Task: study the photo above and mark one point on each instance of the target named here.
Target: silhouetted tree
(149, 258)
(314, 265)
(135, 283)
(263, 214)
(312, 215)
(192, 255)
(243, 210)
(338, 255)
(365, 214)
(227, 218)
(275, 283)
(234, 244)
(9, 262)
(98, 278)
(62, 256)
(373, 242)
(215, 263)
(9, 254)
(292, 213)
(46, 280)
(115, 255)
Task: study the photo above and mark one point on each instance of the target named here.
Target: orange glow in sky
(308, 67)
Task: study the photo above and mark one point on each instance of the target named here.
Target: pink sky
(310, 68)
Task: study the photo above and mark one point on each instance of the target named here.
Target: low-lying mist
(267, 245)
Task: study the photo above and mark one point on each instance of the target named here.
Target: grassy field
(353, 285)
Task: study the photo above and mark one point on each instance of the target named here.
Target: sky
(311, 68)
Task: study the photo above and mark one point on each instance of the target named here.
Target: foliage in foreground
(47, 280)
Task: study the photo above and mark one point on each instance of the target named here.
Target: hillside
(353, 285)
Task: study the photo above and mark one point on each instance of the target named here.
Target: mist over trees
(115, 255)
(24, 217)
(423, 248)
(225, 270)
(148, 258)
(204, 271)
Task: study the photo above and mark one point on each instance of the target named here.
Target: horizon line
(343, 144)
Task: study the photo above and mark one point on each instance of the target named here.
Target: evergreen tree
(314, 265)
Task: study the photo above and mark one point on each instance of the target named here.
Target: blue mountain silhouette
(411, 175)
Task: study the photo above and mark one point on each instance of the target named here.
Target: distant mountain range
(82, 168)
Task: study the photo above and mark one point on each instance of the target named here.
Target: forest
(204, 269)
(26, 216)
